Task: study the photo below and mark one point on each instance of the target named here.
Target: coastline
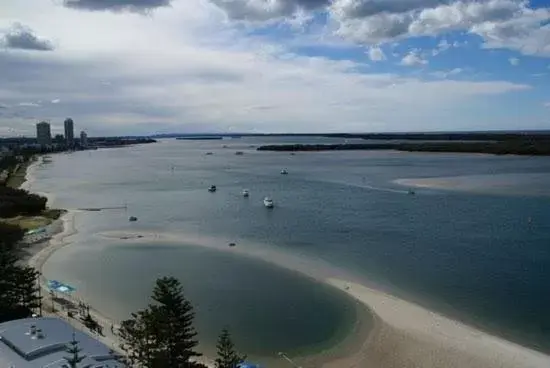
(403, 335)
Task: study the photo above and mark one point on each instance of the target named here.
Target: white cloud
(184, 69)
(508, 24)
(514, 61)
(446, 74)
(56, 100)
(546, 104)
(413, 59)
(376, 54)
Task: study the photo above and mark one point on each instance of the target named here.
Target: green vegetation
(18, 284)
(162, 335)
(227, 356)
(14, 202)
(74, 350)
(504, 147)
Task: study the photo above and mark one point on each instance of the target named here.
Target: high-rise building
(43, 133)
(69, 132)
(83, 139)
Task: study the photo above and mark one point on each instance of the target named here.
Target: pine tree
(162, 335)
(74, 358)
(227, 356)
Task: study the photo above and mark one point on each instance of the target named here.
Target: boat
(212, 188)
(411, 192)
(284, 172)
(268, 202)
(132, 219)
(209, 153)
(239, 153)
(245, 193)
(232, 244)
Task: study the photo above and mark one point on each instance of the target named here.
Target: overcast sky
(157, 66)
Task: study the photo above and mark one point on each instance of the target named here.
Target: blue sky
(148, 66)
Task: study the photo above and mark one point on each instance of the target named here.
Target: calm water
(483, 258)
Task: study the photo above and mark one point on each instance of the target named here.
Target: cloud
(56, 100)
(413, 59)
(28, 104)
(508, 24)
(117, 5)
(262, 10)
(186, 64)
(23, 38)
(446, 74)
(546, 104)
(514, 61)
(376, 54)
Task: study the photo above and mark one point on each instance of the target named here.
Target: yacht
(212, 188)
(245, 193)
(284, 172)
(268, 202)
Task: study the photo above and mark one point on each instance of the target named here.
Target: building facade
(83, 139)
(43, 133)
(69, 132)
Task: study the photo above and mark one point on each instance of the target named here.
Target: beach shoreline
(403, 334)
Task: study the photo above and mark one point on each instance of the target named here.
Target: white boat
(245, 193)
(268, 202)
(284, 172)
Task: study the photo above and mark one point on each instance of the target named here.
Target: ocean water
(478, 255)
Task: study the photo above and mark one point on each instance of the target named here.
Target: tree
(227, 356)
(18, 284)
(162, 335)
(74, 350)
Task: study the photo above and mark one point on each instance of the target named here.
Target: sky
(188, 66)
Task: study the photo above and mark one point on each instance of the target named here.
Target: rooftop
(42, 342)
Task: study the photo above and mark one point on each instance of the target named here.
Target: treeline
(513, 147)
(14, 202)
(162, 335)
(19, 295)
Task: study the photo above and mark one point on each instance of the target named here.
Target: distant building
(43, 133)
(69, 132)
(41, 342)
(83, 139)
(59, 139)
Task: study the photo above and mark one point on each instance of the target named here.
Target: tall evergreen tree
(227, 356)
(162, 335)
(74, 350)
(18, 284)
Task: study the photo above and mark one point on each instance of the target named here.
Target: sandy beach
(404, 334)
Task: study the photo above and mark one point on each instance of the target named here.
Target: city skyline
(159, 66)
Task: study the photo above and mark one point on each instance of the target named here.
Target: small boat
(239, 153)
(132, 219)
(209, 153)
(245, 193)
(232, 244)
(411, 192)
(268, 202)
(284, 172)
(212, 188)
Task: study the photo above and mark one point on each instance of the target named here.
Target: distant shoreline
(526, 148)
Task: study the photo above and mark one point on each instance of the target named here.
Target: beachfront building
(69, 132)
(83, 139)
(43, 134)
(42, 342)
